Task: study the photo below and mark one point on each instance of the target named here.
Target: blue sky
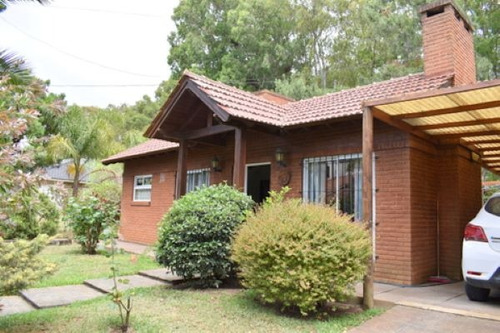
(96, 52)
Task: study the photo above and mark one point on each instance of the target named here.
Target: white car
(481, 251)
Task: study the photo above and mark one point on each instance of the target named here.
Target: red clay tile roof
(244, 105)
(349, 102)
(241, 104)
(150, 147)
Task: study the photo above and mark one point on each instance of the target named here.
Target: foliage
(30, 213)
(298, 87)
(105, 182)
(23, 208)
(243, 43)
(92, 218)
(83, 136)
(333, 44)
(300, 255)
(20, 265)
(195, 235)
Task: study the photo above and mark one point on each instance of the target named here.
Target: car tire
(476, 294)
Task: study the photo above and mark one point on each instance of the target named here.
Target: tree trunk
(76, 179)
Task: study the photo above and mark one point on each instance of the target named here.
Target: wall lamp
(215, 164)
(280, 157)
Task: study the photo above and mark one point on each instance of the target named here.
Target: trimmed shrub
(19, 264)
(301, 256)
(195, 235)
(89, 217)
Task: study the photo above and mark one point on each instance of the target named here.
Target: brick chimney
(448, 42)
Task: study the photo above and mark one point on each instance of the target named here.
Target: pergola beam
(466, 134)
(455, 109)
(459, 124)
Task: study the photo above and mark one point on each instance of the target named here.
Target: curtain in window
(334, 180)
(197, 178)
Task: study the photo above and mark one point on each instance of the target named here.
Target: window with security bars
(142, 187)
(334, 180)
(197, 178)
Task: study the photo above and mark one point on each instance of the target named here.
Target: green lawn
(165, 310)
(75, 267)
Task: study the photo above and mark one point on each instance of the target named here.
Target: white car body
(481, 251)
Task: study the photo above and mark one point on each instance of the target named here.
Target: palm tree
(83, 136)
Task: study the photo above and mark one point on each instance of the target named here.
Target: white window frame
(142, 187)
(190, 185)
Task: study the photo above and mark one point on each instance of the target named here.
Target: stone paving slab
(57, 296)
(162, 274)
(404, 319)
(14, 304)
(133, 281)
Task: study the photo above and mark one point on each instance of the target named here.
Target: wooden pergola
(466, 115)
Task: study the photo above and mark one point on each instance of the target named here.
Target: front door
(258, 181)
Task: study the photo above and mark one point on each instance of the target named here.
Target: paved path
(403, 319)
(448, 298)
(39, 298)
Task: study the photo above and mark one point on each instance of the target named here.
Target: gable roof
(245, 105)
(150, 147)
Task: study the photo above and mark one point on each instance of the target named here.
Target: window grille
(336, 181)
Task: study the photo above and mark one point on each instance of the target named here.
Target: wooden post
(368, 301)
(240, 158)
(180, 180)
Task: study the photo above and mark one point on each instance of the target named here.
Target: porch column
(368, 199)
(180, 180)
(240, 158)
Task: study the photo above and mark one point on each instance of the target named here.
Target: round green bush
(195, 235)
(301, 256)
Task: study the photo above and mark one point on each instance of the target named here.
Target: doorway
(258, 181)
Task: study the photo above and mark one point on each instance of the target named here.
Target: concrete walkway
(40, 298)
(447, 298)
(404, 319)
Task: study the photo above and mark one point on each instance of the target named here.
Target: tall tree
(247, 44)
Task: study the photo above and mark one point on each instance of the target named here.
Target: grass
(74, 267)
(165, 310)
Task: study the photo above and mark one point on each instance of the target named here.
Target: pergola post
(240, 158)
(368, 301)
(180, 180)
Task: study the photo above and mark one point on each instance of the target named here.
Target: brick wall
(459, 201)
(139, 220)
(424, 206)
(410, 177)
(448, 45)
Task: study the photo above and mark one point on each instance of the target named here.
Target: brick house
(418, 191)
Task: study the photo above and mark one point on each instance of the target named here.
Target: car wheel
(476, 294)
